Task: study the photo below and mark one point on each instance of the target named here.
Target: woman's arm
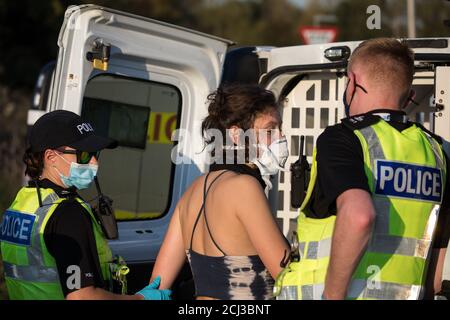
(171, 256)
(93, 293)
(252, 209)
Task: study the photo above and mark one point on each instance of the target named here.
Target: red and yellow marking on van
(161, 125)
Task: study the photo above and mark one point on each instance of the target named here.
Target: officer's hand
(151, 292)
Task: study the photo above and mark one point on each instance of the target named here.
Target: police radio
(300, 172)
(105, 214)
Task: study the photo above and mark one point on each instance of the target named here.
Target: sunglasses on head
(83, 157)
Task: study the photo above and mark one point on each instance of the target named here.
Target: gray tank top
(227, 277)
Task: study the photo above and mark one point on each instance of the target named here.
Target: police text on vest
(405, 180)
(16, 227)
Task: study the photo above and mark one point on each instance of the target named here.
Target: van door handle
(143, 231)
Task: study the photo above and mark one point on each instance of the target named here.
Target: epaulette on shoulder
(360, 121)
(435, 136)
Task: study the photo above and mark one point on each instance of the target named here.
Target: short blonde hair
(388, 62)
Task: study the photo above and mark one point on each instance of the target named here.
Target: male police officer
(373, 221)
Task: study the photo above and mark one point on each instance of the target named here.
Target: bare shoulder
(242, 185)
(193, 187)
(230, 184)
(245, 180)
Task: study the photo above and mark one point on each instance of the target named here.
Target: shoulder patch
(360, 122)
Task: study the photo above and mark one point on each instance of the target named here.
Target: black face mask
(347, 105)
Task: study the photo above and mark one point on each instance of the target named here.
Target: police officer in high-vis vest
(52, 244)
(375, 220)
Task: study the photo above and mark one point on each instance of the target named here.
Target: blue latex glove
(151, 292)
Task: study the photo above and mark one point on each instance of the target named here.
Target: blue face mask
(344, 98)
(80, 175)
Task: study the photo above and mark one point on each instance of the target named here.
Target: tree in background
(352, 20)
(252, 22)
(28, 34)
(29, 31)
(431, 13)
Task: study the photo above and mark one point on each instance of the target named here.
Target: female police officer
(53, 247)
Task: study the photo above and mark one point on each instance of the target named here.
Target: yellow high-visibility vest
(30, 270)
(406, 172)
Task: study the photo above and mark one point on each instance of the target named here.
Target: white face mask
(273, 159)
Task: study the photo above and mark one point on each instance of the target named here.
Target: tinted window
(141, 115)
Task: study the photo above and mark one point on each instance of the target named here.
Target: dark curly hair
(236, 105)
(34, 162)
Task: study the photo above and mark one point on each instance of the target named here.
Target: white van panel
(148, 50)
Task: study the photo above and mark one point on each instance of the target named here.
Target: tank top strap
(202, 209)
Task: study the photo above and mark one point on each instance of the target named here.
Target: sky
(300, 3)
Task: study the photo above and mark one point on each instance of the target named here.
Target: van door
(138, 80)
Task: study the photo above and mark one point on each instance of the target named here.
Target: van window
(141, 116)
(126, 123)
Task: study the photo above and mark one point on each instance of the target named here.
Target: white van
(138, 80)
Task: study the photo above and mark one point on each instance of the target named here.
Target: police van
(145, 83)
